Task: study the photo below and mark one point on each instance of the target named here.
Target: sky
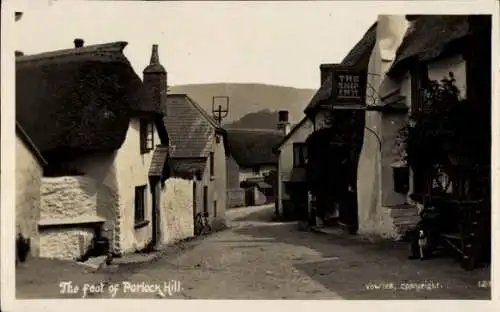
(248, 42)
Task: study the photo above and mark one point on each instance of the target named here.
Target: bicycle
(201, 224)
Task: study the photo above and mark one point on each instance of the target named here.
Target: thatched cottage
(425, 47)
(250, 162)
(104, 142)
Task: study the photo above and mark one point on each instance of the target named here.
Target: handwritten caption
(167, 288)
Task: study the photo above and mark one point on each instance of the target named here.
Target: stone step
(404, 212)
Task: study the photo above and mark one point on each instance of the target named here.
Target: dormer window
(147, 136)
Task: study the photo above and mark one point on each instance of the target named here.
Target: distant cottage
(252, 164)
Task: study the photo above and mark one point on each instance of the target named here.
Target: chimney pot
(78, 42)
(283, 123)
(155, 59)
(18, 16)
(283, 116)
(19, 53)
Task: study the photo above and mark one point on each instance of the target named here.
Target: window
(147, 136)
(140, 205)
(212, 165)
(419, 76)
(299, 155)
(205, 200)
(195, 199)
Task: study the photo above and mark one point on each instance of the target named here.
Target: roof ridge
(253, 130)
(356, 46)
(117, 46)
(210, 119)
(201, 158)
(30, 143)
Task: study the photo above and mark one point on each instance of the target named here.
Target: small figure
(423, 244)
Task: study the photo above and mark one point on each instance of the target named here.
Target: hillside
(244, 99)
(263, 119)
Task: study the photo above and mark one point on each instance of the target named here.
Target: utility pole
(220, 110)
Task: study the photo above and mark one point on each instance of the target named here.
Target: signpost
(220, 109)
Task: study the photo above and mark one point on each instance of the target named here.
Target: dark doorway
(205, 200)
(155, 213)
(250, 196)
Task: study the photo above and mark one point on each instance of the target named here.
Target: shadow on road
(257, 214)
(348, 265)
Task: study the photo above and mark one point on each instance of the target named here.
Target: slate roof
(259, 182)
(253, 147)
(190, 127)
(358, 56)
(428, 38)
(77, 100)
(158, 161)
(187, 167)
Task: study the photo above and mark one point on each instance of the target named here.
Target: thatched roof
(251, 147)
(359, 56)
(428, 38)
(78, 100)
(29, 143)
(190, 127)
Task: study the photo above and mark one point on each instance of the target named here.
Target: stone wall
(236, 198)
(260, 197)
(68, 197)
(65, 243)
(177, 219)
(233, 173)
(28, 182)
(68, 215)
(101, 169)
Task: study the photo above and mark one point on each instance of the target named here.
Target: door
(205, 201)
(156, 219)
(195, 198)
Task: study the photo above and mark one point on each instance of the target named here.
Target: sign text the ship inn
(348, 88)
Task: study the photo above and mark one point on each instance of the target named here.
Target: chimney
(18, 16)
(325, 70)
(155, 82)
(391, 30)
(283, 123)
(78, 42)
(19, 53)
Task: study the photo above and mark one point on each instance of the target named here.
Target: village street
(260, 259)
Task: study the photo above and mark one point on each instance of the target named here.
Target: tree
(444, 134)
